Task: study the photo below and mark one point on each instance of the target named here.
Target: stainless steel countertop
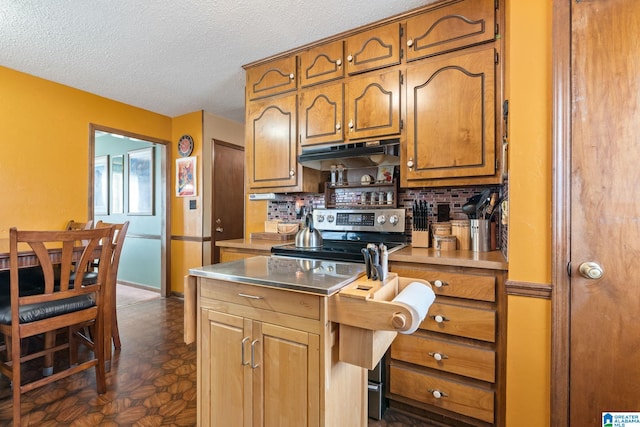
(313, 276)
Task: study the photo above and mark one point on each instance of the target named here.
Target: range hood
(353, 155)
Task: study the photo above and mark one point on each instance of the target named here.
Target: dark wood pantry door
(228, 194)
(596, 352)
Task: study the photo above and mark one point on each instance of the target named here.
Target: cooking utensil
(471, 206)
(484, 199)
(308, 237)
(492, 203)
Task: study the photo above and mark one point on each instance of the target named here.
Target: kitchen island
(267, 352)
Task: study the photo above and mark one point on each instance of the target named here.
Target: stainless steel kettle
(308, 237)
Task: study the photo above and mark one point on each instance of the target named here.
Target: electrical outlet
(192, 204)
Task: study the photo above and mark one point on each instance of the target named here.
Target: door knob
(591, 270)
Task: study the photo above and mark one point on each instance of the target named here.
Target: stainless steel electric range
(345, 232)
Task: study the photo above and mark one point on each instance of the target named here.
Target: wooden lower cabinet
(452, 369)
(258, 373)
(266, 358)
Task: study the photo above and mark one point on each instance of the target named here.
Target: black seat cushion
(34, 312)
(31, 281)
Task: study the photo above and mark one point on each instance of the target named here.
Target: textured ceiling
(169, 56)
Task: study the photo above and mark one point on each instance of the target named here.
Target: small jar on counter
(460, 229)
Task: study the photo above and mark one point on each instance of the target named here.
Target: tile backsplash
(284, 207)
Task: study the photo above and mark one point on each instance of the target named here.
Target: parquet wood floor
(152, 380)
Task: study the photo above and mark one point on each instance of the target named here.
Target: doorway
(137, 195)
(228, 194)
(596, 233)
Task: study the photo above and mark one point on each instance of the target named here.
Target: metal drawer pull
(439, 283)
(437, 393)
(439, 318)
(438, 356)
(250, 296)
(253, 354)
(244, 340)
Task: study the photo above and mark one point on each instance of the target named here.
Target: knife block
(420, 239)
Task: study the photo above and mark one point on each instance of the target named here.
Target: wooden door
(272, 78)
(321, 115)
(376, 48)
(225, 392)
(272, 144)
(602, 337)
(451, 117)
(285, 384)
(228, 194)
(322, 64)
(373, 105)
(442, 29)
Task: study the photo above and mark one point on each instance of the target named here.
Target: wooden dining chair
(61, 304)
(120, 232)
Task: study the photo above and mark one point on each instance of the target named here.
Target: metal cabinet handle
(244, 340)
(410, 42)
(253, 354)
(338, 62)
(292, 172)
(292, 76)
(350, 58)
(250, 296)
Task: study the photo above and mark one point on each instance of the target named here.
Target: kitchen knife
(367, 261)
(375, 261)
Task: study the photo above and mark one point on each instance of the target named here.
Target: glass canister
(461, 229)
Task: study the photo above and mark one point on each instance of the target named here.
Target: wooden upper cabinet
(451, 119)
(271, 143)
(321, 115)
(373, 105)
(376, 48)
(322, 64)
(462, 24)
(272, 78)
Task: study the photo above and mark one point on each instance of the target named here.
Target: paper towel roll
(417, 297)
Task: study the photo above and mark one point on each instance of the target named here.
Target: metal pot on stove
(308, 237)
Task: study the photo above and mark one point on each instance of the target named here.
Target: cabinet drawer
(272, 78)
(455, 358)
(287, 302)
(467, 322)
(468, 286)
(455, 396)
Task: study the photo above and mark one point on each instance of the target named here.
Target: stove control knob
(381, 219)
(330, 218)
(320, 218)
(393, 219)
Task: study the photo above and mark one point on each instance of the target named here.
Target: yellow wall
(530, 105)
(44, 134)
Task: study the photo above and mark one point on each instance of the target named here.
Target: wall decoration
(185, 145)
(101, 185)
(116, 185)
(141, 186)
(186, 177)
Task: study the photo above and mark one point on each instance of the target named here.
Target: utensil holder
(420, 239)
(480, 233)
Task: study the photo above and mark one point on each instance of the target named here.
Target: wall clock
(185, 145)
